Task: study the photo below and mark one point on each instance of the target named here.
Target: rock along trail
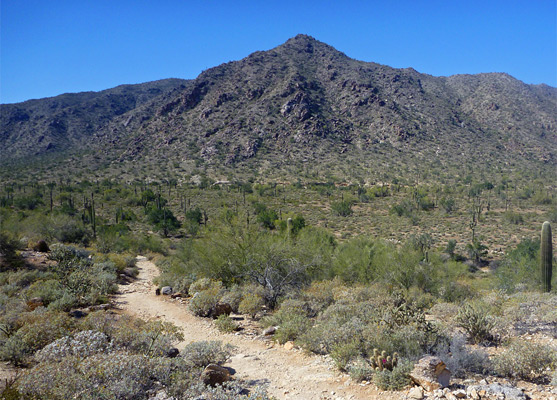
(289, 374)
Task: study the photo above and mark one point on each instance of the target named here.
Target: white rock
(416, 393)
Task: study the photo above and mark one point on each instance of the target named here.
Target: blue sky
(58, 46)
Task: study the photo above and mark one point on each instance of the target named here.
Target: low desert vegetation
(395, 271)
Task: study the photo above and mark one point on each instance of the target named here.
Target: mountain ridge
(304, 100)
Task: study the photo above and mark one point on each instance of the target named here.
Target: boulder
(166, 290)
(416, 393)
(77, 314)
(221, 309)
(173, 352)
(214, 375)
(35, 302)
(41, 247)
(431, 373)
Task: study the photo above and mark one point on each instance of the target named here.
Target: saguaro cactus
(546, 256)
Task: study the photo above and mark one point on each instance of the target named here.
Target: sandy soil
(289, 374)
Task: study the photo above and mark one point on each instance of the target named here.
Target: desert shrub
(460, 360)
(226, 324)
(343, 353)
(319, 295)
(251, 304)
(476, 321)
(404, 208)
(353, 261)
(142, 243)
(122, 261)
(234, 296)
(229, 391)
(81, 345)
(114, 375)
(146, 337)
(200, 354)
(204, 301)
(298, 223)
(525, 360)
(204, 284)
(519, 269)
(162, 219)
(397, 379)
(360, 370)
(513, 218)
(48, 290)
(37, 329)
(342, 208)
(291, 319)
(9, 259)
(67, 229)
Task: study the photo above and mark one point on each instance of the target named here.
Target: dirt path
(289, 374)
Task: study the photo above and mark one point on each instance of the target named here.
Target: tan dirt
(288, 374)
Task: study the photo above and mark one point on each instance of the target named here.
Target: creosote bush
(526, 360)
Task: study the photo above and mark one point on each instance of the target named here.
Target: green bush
(360, 370)
(251, 304)
(226, 324)
(397, 379)
(476, 321)
(203, 353)
(342, 208)
(67, 229)
(291, 319)
(203, 303)
(343, 353)
(525, 360)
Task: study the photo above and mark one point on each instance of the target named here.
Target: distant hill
(69, 122)
(300, 105)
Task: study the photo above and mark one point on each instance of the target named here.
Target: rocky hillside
(301, 101)
(68, 122)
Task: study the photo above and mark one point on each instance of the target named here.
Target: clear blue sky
(49, 47)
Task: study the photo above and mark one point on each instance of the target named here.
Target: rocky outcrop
(431, 373)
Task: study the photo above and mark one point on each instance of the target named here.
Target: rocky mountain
(302, 102)
(68, 122)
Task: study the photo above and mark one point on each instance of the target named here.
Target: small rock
(214, 375)
(270, 331)
(460, 393)
(416, 393)
(166, 290)
(472, 393)
(289, 345)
